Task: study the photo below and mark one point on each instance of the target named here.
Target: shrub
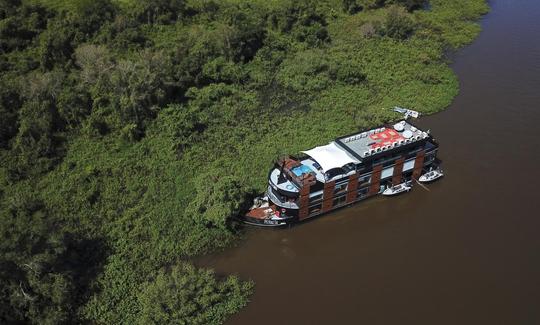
(398, 24)
(183, 294)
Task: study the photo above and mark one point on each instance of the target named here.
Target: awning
(330, 156)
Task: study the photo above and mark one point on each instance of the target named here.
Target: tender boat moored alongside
(397, 189)
(431, 176)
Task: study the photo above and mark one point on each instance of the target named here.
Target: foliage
(397, 23)
(177, 295)
(132, 131)
(45, 270)
(217, 198)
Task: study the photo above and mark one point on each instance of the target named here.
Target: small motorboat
(406, 112)
(431, 176)
(397, 189)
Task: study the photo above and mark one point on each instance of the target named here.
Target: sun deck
(371, 142)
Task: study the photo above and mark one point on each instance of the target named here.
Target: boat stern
(264, 214)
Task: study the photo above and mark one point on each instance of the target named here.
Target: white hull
(395, 190)
(430, 176)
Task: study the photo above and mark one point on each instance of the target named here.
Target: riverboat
(349, 169)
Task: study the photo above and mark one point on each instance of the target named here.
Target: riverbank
(135, 136)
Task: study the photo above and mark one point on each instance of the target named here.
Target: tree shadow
(83, 260)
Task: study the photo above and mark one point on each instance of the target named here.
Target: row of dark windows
(341, 188)
(338, 201)
(386, 161)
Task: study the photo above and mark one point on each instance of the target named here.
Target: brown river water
(465, 252)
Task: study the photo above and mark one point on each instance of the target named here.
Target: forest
(132, 131)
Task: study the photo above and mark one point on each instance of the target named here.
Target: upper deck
(372, 142)
(346, 155)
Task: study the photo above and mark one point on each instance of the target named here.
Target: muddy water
(465, 252)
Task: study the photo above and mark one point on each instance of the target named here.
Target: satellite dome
(399, 127)
(407, 134)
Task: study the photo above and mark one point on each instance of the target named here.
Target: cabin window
(339, 200)
(318, 186)
(348, 168)
(291, 200)
(333, 173)
(278, 195)
(364, 179)
(340, 188)
(315, 208)
(362, 192)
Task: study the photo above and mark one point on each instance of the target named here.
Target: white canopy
(330, 156)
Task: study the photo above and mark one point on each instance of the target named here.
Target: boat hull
(395, 193)
(266, 216)
(397, 189)
(429, 180)
(262, 223)
(266, 222)
(426, 180)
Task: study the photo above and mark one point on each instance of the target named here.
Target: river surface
(465, 252)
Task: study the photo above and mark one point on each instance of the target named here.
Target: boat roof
(357, 147)
(367, 143)
(331, 156)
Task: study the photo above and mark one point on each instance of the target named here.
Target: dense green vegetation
(130, 132)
